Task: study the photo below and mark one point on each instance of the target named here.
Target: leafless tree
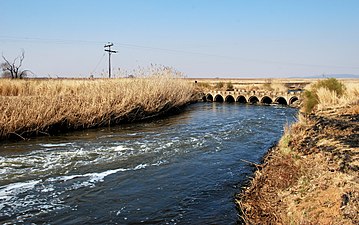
(13, 70)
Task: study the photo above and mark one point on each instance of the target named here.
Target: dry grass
(259, 203)
(316, 196)
(279, 87)
(330, 99)
(43, 106)
(323, 98)
(311, 177)
(276, 87)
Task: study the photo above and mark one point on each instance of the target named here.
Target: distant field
(279, 84)
(265, 80)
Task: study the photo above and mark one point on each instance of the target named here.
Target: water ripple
(189, 165)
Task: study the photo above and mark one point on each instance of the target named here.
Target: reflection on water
(184, 169)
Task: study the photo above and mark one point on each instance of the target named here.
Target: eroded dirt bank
(311, 177)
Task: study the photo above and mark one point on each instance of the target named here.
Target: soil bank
(311, 176)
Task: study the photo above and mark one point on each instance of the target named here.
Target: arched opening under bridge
(253, 100)
(281, 101)
(266, 100)
(209, 98)
(218, 98)
(203, 96)
(293, 99)
(230, 98)
(241, 99)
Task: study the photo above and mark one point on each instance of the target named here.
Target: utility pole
(108, 49)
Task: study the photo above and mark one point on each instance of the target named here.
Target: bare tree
(13, 70)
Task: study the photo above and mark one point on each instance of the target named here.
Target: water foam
(49, 145)
(10, 191)
(43, 196)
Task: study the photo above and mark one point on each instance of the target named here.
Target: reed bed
(31, 107)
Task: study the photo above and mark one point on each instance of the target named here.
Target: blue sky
(201, 38)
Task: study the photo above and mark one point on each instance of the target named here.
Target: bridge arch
(281, 101)
(218, 98)
(241, 99)
(229, 98)
(202, 96)
(253, 100)
(209, 98)
(293, 99)
(266, 100)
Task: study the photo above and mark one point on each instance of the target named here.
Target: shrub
(230, 86)
(310, 101)
(204, 85)
(311, 98)
(331, 84)
(219, 85)
(268, 87)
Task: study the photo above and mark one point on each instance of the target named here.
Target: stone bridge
(253, 97)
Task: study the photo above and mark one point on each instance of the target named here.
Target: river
(184, 169)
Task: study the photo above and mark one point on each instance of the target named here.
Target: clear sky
(201, 38)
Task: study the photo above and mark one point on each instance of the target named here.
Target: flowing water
(184, 169)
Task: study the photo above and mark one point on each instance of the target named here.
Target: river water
(184, 169)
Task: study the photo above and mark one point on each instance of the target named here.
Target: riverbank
(311, 176)
(42, 107)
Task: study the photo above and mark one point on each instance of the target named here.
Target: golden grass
(317, 195)
(42, 106)
(328, 99)
(277, 87)
(330, 94)
(311, 176)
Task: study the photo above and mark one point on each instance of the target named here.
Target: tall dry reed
(328, 99)
(330, 94)
(29, 107)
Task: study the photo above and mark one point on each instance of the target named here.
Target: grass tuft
(329, 94)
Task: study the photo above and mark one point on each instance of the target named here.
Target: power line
(98, 63)
(48, 40)
(126, 45)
